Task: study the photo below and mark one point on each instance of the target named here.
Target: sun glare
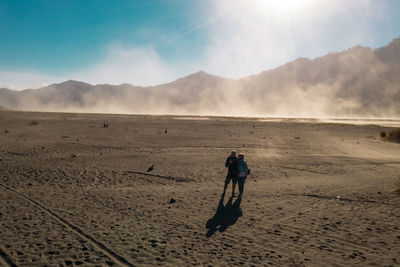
(285, 6)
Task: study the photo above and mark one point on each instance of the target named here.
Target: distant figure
(166, 130)
(243, 172)
(231, 164)
(151, 168)
(105, 125)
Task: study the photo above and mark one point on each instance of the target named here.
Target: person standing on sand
(243, 172)
(231, 164)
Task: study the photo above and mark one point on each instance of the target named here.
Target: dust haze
(357, 82)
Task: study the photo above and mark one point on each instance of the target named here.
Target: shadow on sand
(225, 216)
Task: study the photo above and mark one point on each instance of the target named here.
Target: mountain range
(357, 82)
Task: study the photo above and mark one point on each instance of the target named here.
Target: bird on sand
(151, 168)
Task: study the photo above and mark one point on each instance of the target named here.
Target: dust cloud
(358, 82)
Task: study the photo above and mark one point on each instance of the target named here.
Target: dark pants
(232, 175)
(241, 181)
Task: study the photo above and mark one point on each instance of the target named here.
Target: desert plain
(73, 192)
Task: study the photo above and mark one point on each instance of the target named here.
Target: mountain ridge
(359, 81)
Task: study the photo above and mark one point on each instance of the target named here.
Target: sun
(285, 6)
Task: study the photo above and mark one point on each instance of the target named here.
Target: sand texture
(73, 192)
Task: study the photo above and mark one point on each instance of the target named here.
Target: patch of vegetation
(34, 123)
(392, 136)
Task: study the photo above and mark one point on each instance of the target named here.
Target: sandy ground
(75, 193)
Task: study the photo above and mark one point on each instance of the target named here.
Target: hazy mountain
(356, 82)
(359, 81)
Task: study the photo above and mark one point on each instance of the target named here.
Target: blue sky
(56, 36)
(150, 42)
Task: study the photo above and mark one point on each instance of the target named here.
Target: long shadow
(224, 216)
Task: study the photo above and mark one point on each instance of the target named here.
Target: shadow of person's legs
(232, 212)
(224, 216)
(215, 221)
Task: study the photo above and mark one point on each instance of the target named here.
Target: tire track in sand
(299, 169)
(177, 179)
(120, 260)
(5, 259)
